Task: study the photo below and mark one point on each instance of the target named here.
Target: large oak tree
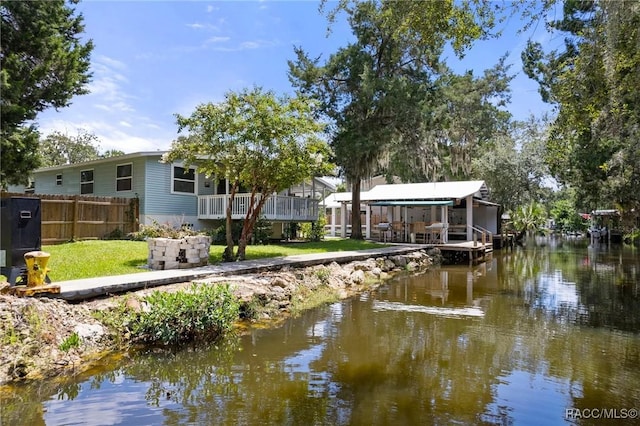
(378, 91)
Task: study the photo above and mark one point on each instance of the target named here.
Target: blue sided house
(173, 193)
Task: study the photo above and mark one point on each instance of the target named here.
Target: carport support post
(333, 221)
(367, 231)
(469, 217)
(343, 219)
(444, 212)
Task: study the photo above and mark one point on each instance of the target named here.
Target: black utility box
(20, 226)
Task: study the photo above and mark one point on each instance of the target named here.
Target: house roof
(413, 203)
(427, 191)
(118, 159)
(414, 193)
(324, 180)
(335, 199)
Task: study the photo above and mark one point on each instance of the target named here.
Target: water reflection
(516, 340)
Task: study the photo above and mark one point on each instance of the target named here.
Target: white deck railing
(276, 208)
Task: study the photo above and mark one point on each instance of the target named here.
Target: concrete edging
(83, 289)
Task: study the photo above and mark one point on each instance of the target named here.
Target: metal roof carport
(434, 194)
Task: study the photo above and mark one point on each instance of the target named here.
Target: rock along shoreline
(37, 334)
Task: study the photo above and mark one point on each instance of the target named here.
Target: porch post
(404, 225)
(444, 212)
(333, 222)
(469, 217)
(367, 232)
(274, 202)
(343, 219)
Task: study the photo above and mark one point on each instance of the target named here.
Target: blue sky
(153, 59)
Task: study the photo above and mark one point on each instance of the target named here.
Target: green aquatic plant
(204, 310)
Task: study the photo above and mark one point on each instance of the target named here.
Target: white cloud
(110, 62)
(247, 45)
(205, 27)
(107, 85)
(211, 8)
(123, 136)
(217, 40)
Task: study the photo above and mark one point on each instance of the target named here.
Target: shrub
(218, 234)
(157, 230)
(200, 312)
(262, 231)
(323, 275)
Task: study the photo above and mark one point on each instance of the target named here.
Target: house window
(124, 177)
(184, 180)
(86, 182)
(59, 180)
(221, 187)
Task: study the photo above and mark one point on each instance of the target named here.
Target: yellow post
(36, 267)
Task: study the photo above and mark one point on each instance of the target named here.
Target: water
(528, 338)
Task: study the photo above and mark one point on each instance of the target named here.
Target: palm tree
(530, 217)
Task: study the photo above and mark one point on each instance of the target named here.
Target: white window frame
(130, 177)
(92, 182)
(59, 180)
(173, 179)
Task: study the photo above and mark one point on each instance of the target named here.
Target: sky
(155, 59)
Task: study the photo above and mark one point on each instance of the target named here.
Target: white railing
(276, 208)
(486, 236)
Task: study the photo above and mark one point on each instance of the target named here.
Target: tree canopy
(58, 149)
(593, 79)
(43, 64)
(378, 92)
(513, 164)
(255, 139)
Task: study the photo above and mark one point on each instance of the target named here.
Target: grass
(89, 259)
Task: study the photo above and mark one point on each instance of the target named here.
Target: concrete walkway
(88, 288)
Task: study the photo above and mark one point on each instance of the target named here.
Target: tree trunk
(356, 224)
(228, 256)
(253, 212)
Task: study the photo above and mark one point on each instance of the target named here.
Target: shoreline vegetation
(42, 337)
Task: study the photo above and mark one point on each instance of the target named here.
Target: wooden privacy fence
(78, 217)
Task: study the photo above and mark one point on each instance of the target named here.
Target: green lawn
(87, 259)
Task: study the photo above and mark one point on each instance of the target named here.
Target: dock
(475, 251)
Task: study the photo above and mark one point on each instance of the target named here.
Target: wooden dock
(475, 250)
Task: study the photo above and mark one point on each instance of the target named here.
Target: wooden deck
(476, 251)
(278, 208)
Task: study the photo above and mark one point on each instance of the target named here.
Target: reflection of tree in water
(597, 287)
(351, 364)
(557, 292)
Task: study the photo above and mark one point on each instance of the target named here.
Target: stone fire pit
(180, 253)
